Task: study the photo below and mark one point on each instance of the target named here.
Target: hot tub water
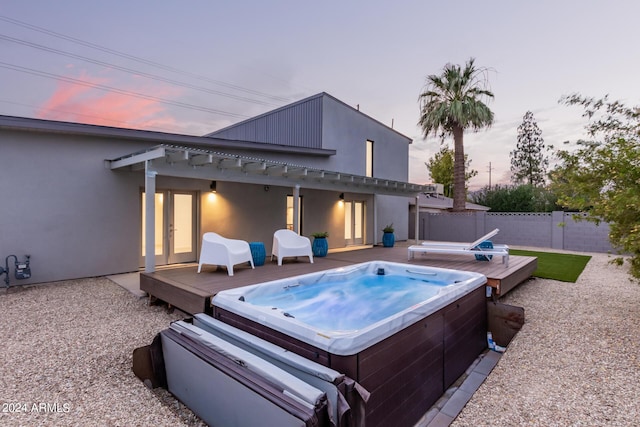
(345, 305)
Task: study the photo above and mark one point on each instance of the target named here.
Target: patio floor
(182, 287)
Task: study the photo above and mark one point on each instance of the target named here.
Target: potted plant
(388, 238)
(320, 246)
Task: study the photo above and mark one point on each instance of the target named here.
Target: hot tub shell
(405, 371)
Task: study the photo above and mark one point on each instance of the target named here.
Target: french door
(354, 222)
(175, 227)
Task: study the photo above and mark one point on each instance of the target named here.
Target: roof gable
(299, 124)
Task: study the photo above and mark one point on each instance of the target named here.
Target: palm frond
(454, 98)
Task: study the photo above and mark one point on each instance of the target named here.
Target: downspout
(296, 208)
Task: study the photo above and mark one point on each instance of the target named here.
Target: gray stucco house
(85, 200)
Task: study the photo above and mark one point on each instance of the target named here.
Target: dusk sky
(194, 67)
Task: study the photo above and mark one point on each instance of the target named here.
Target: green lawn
(552, 265)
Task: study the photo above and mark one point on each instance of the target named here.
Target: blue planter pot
(258, 253)
(388, 240)
(320, 247)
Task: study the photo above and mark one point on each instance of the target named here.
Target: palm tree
(449, 104)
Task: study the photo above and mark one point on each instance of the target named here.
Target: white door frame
(167, 231)
(354, 217)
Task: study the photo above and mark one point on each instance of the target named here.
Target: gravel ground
(575, 362)
(67, 346)
(66, 357)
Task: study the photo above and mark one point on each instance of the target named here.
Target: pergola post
(150, 217)
(416, 228)
(375, 219)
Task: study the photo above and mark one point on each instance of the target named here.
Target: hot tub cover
(289, 383)
(346, 398)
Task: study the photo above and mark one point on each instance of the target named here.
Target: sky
(195, 67)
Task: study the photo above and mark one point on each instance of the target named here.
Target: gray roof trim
(199, 163)
(53, 126)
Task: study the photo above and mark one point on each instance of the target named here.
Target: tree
(449, 104)
(441, 169)
(528, 161)
(516, 198)
(601, 177)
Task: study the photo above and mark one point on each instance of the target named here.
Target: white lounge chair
(287, 243)
(453, 248)
(218, 250)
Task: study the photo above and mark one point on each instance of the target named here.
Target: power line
(129, 70)
(141, 60)
(116, 90)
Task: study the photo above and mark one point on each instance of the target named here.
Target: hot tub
(404, 332)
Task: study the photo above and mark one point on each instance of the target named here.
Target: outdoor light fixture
(341, 196)
(213, 186)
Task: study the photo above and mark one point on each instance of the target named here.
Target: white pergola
(201, 163)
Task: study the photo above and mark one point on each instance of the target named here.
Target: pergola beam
(316, 174)
(140, 158)
(178, 156)
(254, 166)
(230, 163)
(277, 169)
(201, 159)
(247, 169)
(297, 171)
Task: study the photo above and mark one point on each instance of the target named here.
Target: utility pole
(489, 176)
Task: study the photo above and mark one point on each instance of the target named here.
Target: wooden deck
(184, 288)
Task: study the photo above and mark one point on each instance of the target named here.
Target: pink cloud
(86, 104)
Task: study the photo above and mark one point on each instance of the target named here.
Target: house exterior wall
(249, 212)
(65, 209)
(336, 126)
(346, 130)
(390, 210)
(244, 211)
(77, 218)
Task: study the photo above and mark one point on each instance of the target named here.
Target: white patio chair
(454, 248)
(218, 250)
(287, 243)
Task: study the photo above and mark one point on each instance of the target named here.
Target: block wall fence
(556, 230)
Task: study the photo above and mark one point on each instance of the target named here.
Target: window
(369, 159)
